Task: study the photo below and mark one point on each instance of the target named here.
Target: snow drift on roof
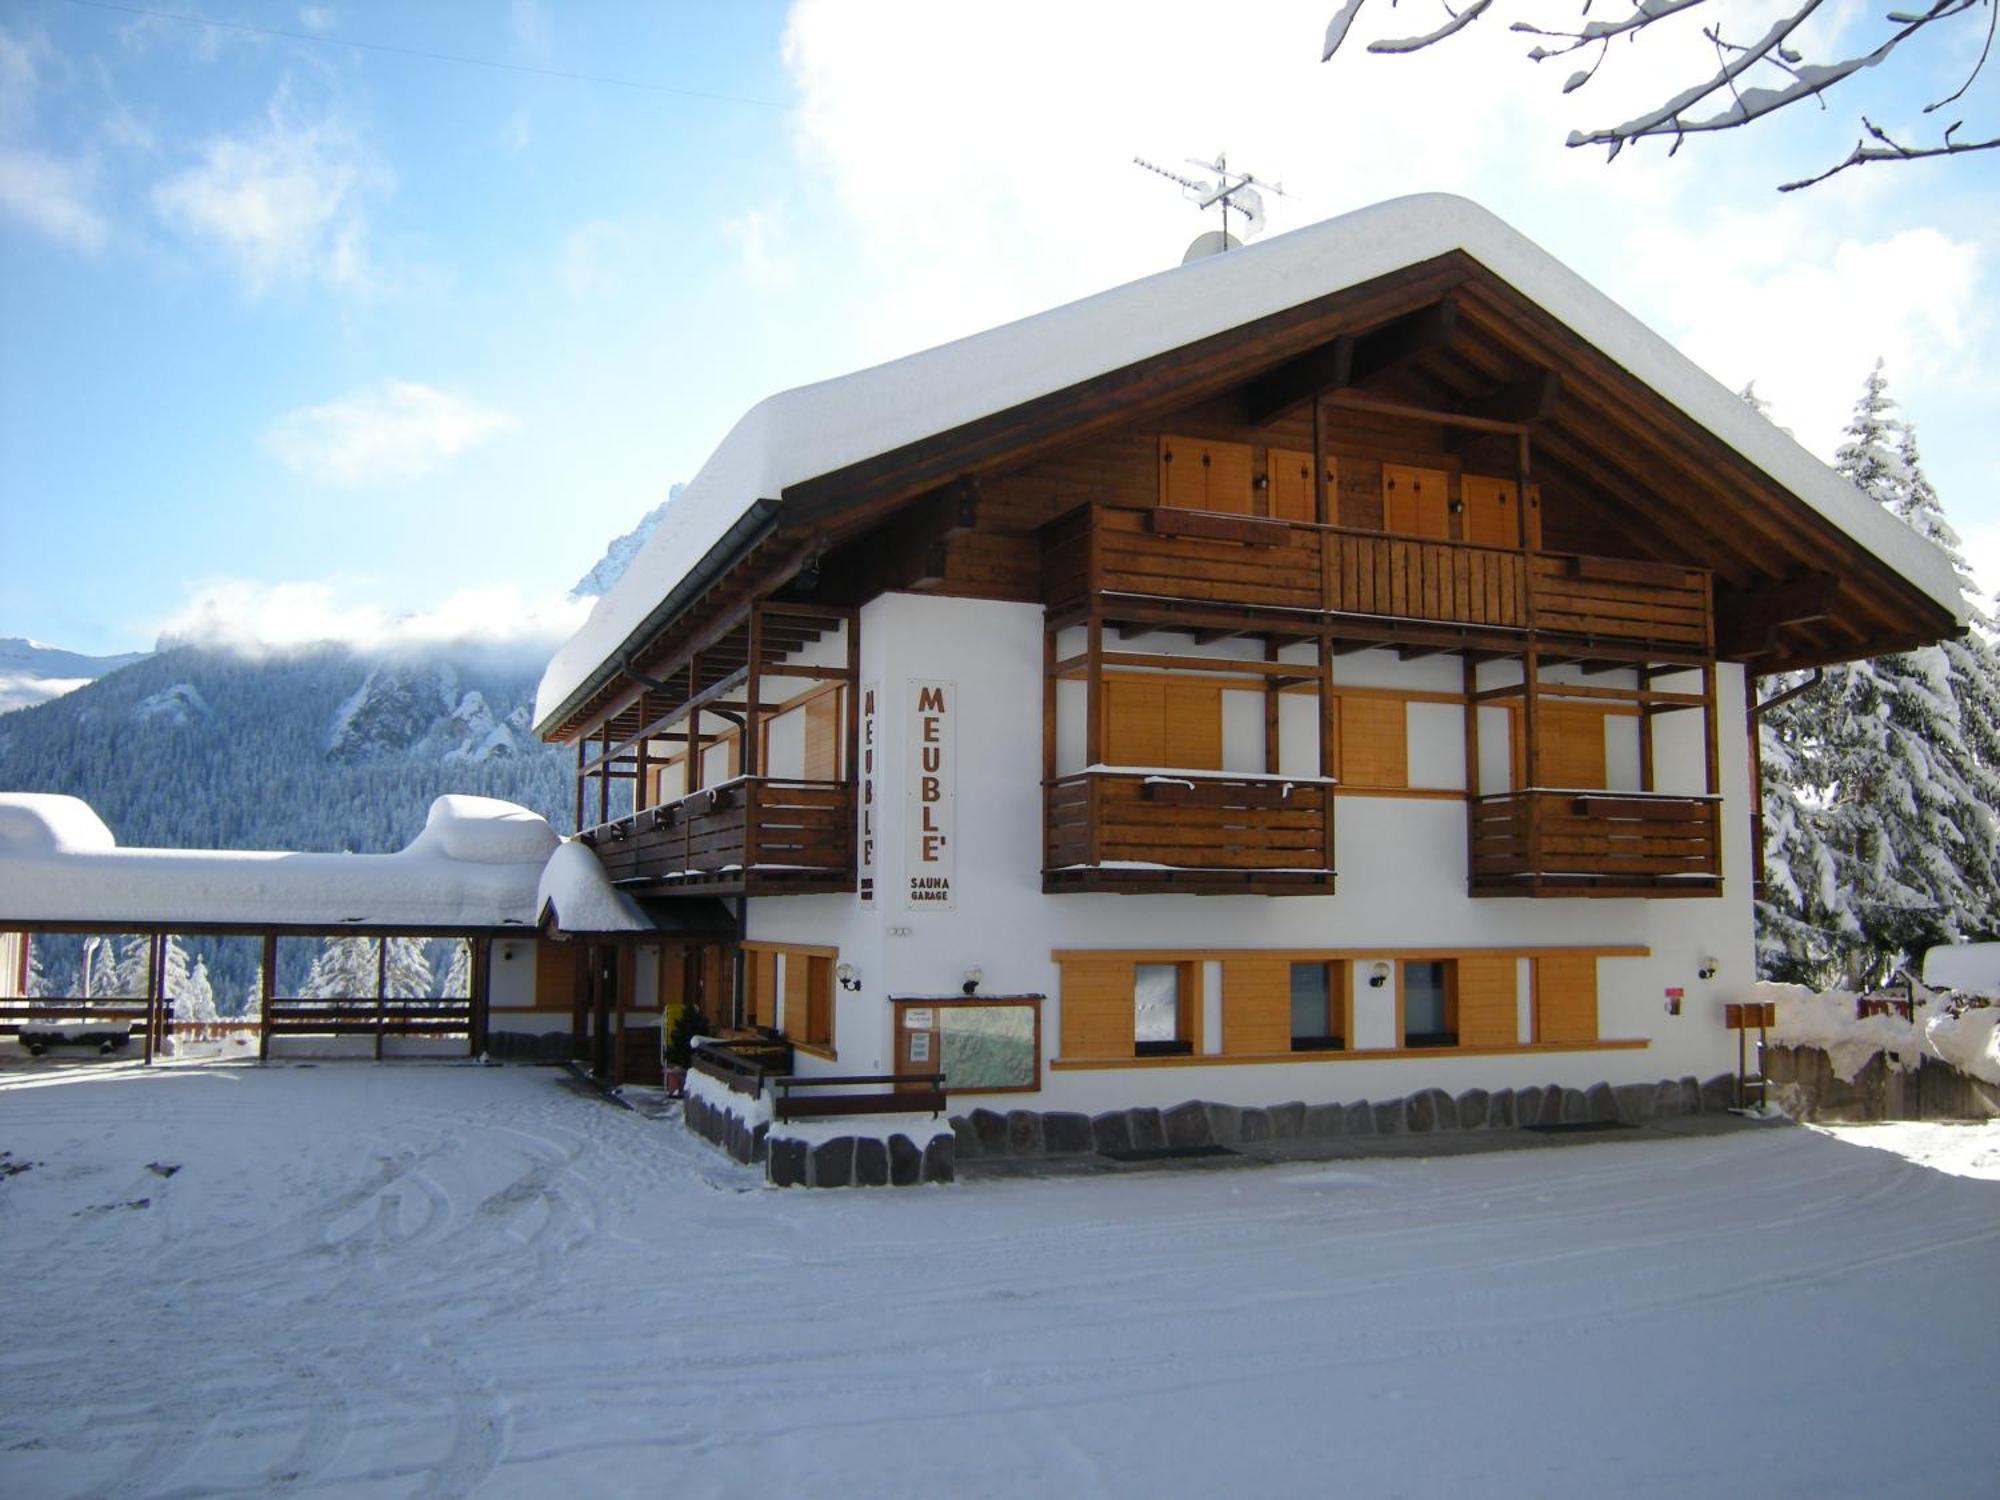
(476, 864)
(585, 900)
(1972, 967)
(816, 429)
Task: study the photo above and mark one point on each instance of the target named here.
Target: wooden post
(1754, 732)
(582, 741)
(850, 768)
(642, 777)
(1711, 764)
(482, 982)
(1050, 700)
(381, 991)
(604, 773)
(269, 985)
(1326, 742)
(1272, 727)
(751, 760)
(153, 1037)
(1531, 755)
(1093, 731)
(693, 779)
(1472, 784)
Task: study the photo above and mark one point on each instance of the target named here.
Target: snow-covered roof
(575, 885)
(477, 863)
(1971, 967)
(817, 429)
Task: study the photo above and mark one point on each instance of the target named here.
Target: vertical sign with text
(929, 801)
(871, 778)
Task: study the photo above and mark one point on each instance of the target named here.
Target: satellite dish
(1212, 243)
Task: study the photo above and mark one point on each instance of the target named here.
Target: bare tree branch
(1741, 101)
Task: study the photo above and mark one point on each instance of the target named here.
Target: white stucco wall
(1402, 880)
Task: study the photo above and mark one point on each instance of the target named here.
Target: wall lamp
(849, 977)
(1378, 976)
(1707, 969)
(974, 977)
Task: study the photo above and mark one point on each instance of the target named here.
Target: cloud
(283, 202)
(395, 430)
(318, 18)
(594, 260)
(254, 617)
(52, 197)
(759, 243)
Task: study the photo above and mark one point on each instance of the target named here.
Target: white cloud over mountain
(395, 430)
(253, 616)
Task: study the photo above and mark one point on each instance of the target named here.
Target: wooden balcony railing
(1565, 843)
(1113, 830)
(753, 835)
(1192, 559)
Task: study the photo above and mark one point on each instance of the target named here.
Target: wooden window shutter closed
(762, 982)
(555, 975)
(823, 724)
(1289, 476)
(1154, 721)
(1487, 1013)
(1566, 998)
(1373, 737)
(1492, 511)
(1199, 475)
(1192, 731)
(1572, 745)
(1097, 1009)
(1256, 1005)
(1414, 501)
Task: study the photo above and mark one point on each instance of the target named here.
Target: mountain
(618, 556)
(31, 672)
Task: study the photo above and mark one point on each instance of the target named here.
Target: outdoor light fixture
(506, 953)
(849, 977)
(1707, 969)
(973, 978)
(1378, 976)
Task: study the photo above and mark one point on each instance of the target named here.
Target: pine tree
(458, 977)
(343, 970)
(406, 973)
(38, 983)
(1881, 783)
(194, 998)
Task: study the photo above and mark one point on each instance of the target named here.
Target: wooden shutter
(1572, 744)
(1414, 501)
(1373, 736)
(1192, 727)
(823, 724)
(762, 983)
(1487, 1013)
(1566, 998)
(798, 997)
(1135, 721)
(1492, 512)
(1155, 721)
(1199, 475)
(1289, 476)
(1256, 1005)
(1096, 1008)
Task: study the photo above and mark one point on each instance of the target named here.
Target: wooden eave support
(1749, 621)
(1526, 401)
(1352, 360)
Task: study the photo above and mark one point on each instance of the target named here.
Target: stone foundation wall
(719, 1127)
(528, 1046)
(1198, 1124)
(859, 1161)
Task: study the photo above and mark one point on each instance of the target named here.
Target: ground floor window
(1318, 990)
(1159, 1010)
(1429, 1004)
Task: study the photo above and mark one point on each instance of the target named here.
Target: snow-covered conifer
(407, 973)
(458, 976)
(343, 970)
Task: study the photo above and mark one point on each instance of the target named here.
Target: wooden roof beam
(1526, 401)
(1748, 621)
(1352, 360)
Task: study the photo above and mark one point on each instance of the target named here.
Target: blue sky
(304, 338)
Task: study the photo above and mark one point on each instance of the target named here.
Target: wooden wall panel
(1571, 744)
(1256, 1005)
(555, 975)
(1155, 721)
(1487, 1012)
(1097, 1011)
(825, 724)
(1566, 999)
(1193, 727)
(798, 996)
(760, 999)
(1372, 736)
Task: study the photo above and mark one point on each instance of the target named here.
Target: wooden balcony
(1296, 572)
(1557, 843)
(1195, 831)
(755, 835)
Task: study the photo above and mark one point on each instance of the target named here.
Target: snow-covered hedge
(1966, 1037)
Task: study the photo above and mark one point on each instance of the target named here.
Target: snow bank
(1969, 1041)
(817, 429)
(477, 863)
(585, 900)
(752, 1110)
(1829, 1021)
(1973, 968)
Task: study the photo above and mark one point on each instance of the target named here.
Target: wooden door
(1415, 502)
(1492, 511)
(1288, 476)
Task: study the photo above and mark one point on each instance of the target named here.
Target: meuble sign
(930, 858)
(871, 779)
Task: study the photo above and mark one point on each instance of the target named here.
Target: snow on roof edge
(816, 429)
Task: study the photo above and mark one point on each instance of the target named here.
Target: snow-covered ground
(435, 1280)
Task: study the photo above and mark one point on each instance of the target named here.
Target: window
(800, 977)
(1156, 721)
(1430, 1006)
(1196, 474)
(1317, 992)
(1414, 501)
(1159, 1011)
(1372, 737)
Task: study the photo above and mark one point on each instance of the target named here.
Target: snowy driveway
(413, 1280)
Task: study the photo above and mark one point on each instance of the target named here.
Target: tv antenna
(1231, 191)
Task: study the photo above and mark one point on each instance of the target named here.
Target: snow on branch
(1737, 101)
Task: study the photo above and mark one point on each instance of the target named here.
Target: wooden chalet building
(1320, 671)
